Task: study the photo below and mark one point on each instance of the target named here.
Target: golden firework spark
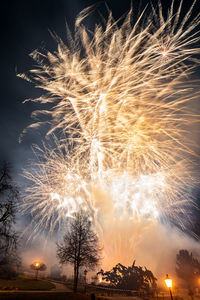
(119, 95)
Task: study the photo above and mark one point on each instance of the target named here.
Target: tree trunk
(76, 272)
(75, 278)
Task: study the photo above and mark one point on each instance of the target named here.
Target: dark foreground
(41, 296)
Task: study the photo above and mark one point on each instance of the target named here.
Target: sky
(26, 26)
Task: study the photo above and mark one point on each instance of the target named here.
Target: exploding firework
(120, 97)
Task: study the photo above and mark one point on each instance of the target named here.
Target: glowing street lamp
(37, 264)
(36, 267)
(168, 283)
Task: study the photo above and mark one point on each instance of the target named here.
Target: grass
(25, 283)
(42, 296)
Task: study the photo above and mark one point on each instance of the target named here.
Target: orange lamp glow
(37, 264)
(168, 282)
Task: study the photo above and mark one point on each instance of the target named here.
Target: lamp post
(85, 277)
(168, 282)
(37, 266)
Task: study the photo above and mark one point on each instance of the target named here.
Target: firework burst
(120, 97)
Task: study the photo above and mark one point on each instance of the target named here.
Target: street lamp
(36, 267)
(85, 274)
(168, 282)
(37, 264)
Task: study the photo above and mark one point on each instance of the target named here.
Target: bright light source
(168, 282)
(37, 264)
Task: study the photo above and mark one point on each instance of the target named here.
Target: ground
(23, 288)
(42, 296)
(25, 283)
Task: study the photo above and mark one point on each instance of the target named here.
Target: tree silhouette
(36, 266)
(80, 246)
(8, 237)
(187, 268)
(130, 278)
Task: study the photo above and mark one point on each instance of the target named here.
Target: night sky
(25, 27)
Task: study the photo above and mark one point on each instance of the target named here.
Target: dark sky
(25, 27)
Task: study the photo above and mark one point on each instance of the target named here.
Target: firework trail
(119, 96)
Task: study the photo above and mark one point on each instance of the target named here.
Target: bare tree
(80, 246)
(8, 237)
